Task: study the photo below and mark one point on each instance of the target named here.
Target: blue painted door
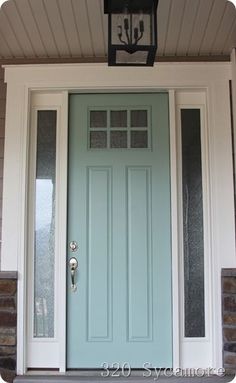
(119, 214)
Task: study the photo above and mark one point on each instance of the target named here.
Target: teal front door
(119, 215)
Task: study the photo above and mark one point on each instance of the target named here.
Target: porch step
(67, 378)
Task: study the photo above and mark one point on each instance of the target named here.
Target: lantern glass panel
(139, 57)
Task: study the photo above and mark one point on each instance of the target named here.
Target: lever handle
(73, 263)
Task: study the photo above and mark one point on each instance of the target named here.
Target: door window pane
(119, 129)
(118, 139)
(98, 140)
(44, 242)
(98, 119)
(194, 302)
(119, 119)
(139, 139)
(139, 119)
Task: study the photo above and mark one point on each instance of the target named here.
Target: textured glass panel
(193, 224)
(118, 139)
(139, 139)
(119, 118)
(124, 57)
(98, 140)
(139, 119)
(98, 119)
(44, 257)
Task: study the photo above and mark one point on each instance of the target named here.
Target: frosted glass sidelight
(44, 241)
(193, 237)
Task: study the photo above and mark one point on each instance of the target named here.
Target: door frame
(23, 81)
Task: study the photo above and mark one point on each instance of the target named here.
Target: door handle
(73, 263)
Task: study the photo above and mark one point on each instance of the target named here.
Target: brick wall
(229, 318)
(8, 281)
(8, 322)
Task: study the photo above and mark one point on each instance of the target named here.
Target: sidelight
(44, 221)
(193, 225)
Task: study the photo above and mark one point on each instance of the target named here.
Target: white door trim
(211, 77)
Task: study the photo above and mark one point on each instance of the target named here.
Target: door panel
(119, 213)
(139, 246)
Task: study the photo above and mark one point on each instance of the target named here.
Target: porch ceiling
(76, 30)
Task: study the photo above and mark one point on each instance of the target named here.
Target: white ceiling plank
(43, 26)
(224, 30)
(175, 22)
(83, 27)
(57, 27)
(230, 41)
(187, 27)
(24, 9)
(104, 25)
(71, 30)
(96, 27)
(9, 34)
(17, 25)
(163, 15)
(213, 24)
(200, 26)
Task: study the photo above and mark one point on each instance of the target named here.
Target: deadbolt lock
(73, 246)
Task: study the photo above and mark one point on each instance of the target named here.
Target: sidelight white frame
(50, 346)
(190, 347)
(23, 81)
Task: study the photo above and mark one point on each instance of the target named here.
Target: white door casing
(210, 78)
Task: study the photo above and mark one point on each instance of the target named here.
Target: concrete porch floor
(97, 378)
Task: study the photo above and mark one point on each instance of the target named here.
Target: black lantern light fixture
(132, 32)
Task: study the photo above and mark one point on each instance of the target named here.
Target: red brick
(7, 303)
(6, 350)
(7, 287)
(8, 363)
(7, 331)
(230, 359)
(229, 334)
(229, 318)
(7, 319)
(230, 303)
(7, 340)
(229, 285)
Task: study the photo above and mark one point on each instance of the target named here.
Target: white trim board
(212, 78)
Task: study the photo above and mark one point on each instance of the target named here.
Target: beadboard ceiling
(77, 29)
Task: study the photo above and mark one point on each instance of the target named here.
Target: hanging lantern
(132, 32)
